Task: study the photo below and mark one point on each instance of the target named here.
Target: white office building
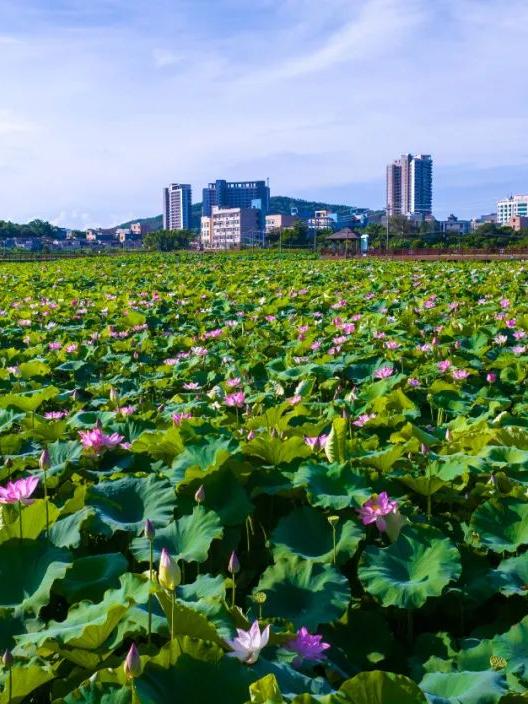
(177, 207)
(226, 228)
(510, 207)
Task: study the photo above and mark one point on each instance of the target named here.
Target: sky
(102, 103)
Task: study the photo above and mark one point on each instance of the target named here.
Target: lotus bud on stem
(7, 662)
(44, 464)
(334, 520)
(169, 576)
(132, 668)
(233, 568)
(199, 496)
(260, 598)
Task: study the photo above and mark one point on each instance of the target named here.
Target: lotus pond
(235, 479)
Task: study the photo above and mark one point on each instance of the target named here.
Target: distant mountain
(278, 204)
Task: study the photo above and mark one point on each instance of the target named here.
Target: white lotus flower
(248, 644)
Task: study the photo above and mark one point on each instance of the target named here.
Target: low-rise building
(227, 228)
(518, 223)
(278, 222)
(454, 226)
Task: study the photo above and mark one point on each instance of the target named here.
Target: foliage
(255, 404)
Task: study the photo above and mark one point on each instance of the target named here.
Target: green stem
(46, 501)
(233, 592)
(150, 593)
(334, 538)
(10, 686)
(20, 519)
(409, 625)
(172, 616)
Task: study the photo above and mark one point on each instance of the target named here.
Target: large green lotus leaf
(378, 687)
(189, 538)
(335, 445)
(196, 680)
(289, 679)
(188, 621)
(464, 687)
(62, 452)
(275, 451)
(382, 460)
(33, 522)
(511, 576)
(332, 486)
(28, 569)
(417, 566)
(303, 592)
(34, 368)
(306, 532)
(88, 625)
(27, 677)
(89, 577)
(502, 524)
(227, 497)
(96, 693)
(375, 644)
(66, 533)
(198, 461)
(266, 691)
(125, 504)
(513, 647)
(88, 419)
(30, 400)
(8, 417)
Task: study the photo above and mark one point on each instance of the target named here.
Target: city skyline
(103, 103)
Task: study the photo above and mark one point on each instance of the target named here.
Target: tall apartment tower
(410, 185)
(177, 206)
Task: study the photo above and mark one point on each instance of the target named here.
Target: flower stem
(46, 501)
(233, 592)
(172, 615)
(20, 519)
(10, 686)
(150, 593)
(334, 538)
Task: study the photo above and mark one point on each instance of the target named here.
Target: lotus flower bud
(149, 530)
(424, 449)
(233, 565)
(76, 395)
(132, 664)
(7, 659)
(169, 574)
(448, 435)
(113, 395)
(199, 496)
(44, 460)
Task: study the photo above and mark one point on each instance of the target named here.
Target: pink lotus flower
(413, 382)
(459, 374)
(233, 383)
(315, 345)
(19, 491)
(55, 415)
(54, 345)
(96, 442)
(199, 351)
(511, 323)
(519, 349)
(444, 365)
(294, 400)
(236, 400)
(363, 419)
(374, 510)
(383, 372)
(316, 443)
(171, 361)
(308, 646)
(191, 386)
(392, 345)
(504, 303)
(500, 339)
(71, 347)
(126, 410)
(248, 644)
(178, 418)
(491, 377)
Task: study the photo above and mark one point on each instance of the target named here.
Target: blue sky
(104, 102)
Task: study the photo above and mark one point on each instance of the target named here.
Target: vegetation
(31, 230)
(168, 240)
(248, 478)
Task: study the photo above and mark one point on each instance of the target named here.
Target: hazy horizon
(104, 104)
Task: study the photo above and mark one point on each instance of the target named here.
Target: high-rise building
(237, 194)
(509, 207)
(177, 206)
(410, 185)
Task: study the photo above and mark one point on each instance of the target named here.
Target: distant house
(346, 241)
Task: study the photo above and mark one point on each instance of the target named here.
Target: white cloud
(165, 57)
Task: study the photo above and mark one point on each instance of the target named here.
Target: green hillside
(278, 204)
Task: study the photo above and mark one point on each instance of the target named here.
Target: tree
(296, 235)
(168, 240)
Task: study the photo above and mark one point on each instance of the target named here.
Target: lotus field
(263, 479)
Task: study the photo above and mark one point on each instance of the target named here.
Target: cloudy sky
(103, 102)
